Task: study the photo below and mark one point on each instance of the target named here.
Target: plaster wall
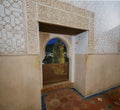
(81, 49)
(20, 73)
(102, 69)
(20, 82)
(96, 73)
(102, 72)
(19, 35)
(80, 73)
(106, 24)
(81, 43)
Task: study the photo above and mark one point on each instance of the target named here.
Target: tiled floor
(70, 99)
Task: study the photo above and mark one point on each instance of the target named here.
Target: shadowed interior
(59, 29)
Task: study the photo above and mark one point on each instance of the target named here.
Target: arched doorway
(56, 63)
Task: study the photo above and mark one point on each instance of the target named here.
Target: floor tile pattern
(70, 99)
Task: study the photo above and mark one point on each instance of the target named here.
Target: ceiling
(59, 29)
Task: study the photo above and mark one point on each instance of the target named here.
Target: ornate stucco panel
(12, 27)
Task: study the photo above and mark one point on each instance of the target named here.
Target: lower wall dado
(20, 82)
(97, 73)
(80, 72)
(103, 72)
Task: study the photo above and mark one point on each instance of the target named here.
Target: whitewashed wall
(81, 43)
(107, 24)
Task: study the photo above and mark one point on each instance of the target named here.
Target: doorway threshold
(56, 86)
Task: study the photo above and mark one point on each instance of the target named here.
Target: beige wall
(80, 72)
(20, 83)
(95, 73)
(103, 72)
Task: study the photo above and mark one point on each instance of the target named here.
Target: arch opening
(55, 52)
(55, 63)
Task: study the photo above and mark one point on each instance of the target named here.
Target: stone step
(57, 86)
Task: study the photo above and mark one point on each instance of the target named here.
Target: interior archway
(55, 63)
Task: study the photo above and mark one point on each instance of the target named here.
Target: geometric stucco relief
(53, 12)
(105, 39)
(16, 39)
(12, 27)
(32, 28)
(106, 24)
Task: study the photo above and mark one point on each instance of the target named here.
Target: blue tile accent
(44, 108)
(88, 97)
(43, 102)
(94, 95)
(100, 93)
(77, 92)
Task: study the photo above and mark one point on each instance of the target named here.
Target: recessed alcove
(47, 19)
(66, 34)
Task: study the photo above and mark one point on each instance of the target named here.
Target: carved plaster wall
(13, 38)
(12, 27)
(106, 26)
(19, 19)
(55, 12)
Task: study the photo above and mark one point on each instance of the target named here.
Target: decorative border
(55, 12)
